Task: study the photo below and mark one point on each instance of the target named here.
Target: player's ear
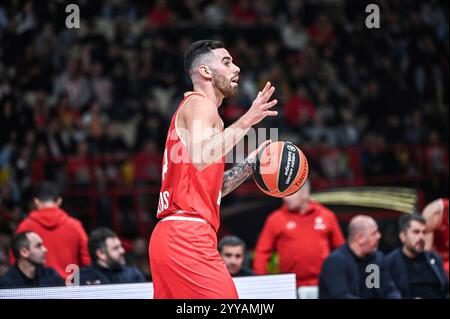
(205, 71)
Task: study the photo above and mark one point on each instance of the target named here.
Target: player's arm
(205, 142)
(433, 215)
(236, 175)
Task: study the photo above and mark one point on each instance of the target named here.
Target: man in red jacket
(303, 232)
(64, 236)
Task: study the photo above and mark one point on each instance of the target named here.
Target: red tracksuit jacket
(302, 242)
(63, 236)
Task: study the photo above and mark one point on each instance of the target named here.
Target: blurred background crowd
(89, 108)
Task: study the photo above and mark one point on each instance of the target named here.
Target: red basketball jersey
(186, 191)
(441, 235)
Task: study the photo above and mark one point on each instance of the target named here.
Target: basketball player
(437, 232)
(184, 259)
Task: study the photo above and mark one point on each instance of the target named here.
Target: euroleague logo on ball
(290, 147)
(280, 169)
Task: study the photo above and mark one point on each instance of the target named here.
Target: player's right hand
(261, 105)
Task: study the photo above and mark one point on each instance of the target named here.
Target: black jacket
(340, 277)
(243, 272)
(108, 276)
(395, 263)
(45, 277)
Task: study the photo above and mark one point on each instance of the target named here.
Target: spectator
(416, 273)
(299, 109)
(64, 236)
(147, 164)
(216, 13)
(232, 251)
(114, 143)
(436, 156)
(303, 232)
(74, 84)
(78, 168)
(101, 86)
(108, 257)
(294, 35)
(243, 13)
(29, 270)
(436, 216)
(345, 272)
(322, 32)
(160, 15)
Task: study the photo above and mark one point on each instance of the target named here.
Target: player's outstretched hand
(261, 105)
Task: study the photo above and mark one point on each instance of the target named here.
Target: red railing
(125, 183)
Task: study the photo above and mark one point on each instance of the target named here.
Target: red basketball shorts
(185, 263)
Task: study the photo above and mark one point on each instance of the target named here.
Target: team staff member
(303, 232)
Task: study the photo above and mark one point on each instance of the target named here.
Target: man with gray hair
(355, 269)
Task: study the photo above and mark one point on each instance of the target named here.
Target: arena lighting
(392, 198)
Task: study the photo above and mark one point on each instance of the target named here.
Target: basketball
(280, 169)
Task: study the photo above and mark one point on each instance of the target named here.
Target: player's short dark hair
(47, 191)
(97, 240)
(404, 221)
(196, 50)
(230, 241)
(20, 241)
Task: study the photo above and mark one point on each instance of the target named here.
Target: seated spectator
(232, 251)
(29, 270)
(108, 261)
(416, 273)
(345, 272)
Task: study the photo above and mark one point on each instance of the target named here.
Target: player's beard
(224, 85)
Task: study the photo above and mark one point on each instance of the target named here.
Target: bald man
(355, 269)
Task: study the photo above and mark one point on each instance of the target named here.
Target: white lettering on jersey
(163, 203)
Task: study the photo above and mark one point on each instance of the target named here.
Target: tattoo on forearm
(235, 176)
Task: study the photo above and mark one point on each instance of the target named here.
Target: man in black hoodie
(29, 270)
(108, 261)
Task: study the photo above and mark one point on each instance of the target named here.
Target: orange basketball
(280, 169)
